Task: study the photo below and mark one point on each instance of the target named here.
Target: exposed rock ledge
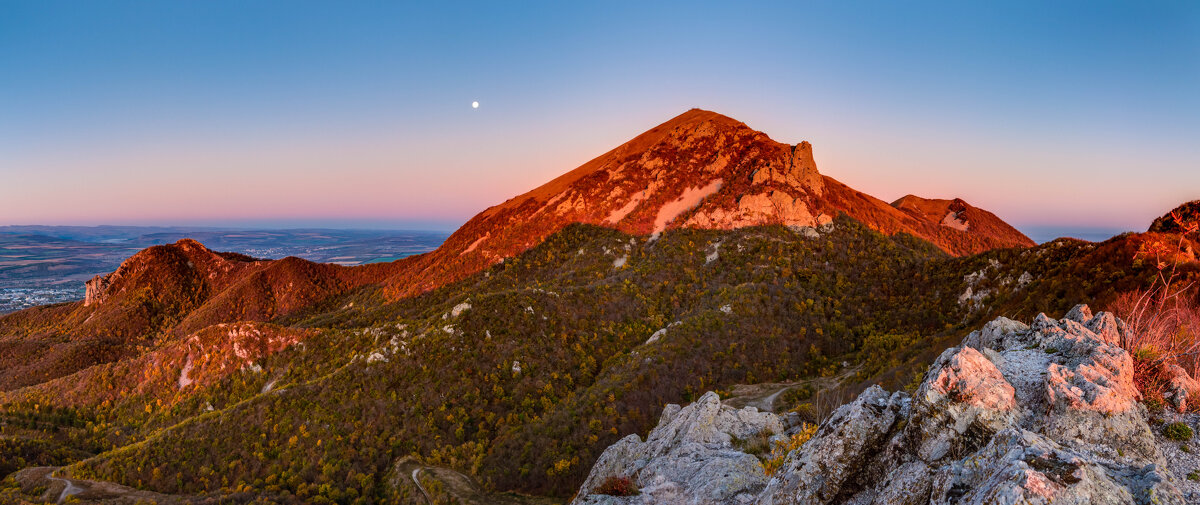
(1017, 414)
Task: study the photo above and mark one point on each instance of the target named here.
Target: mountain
(701, 256)
(48, 264)
(518, 377)
(162, 292)
(990, 231)
(698, 170)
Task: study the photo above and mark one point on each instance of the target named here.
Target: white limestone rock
(689, 458)
(1039, 413)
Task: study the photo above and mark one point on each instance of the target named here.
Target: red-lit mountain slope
(700, 169)
(704, 170)
(163, 291)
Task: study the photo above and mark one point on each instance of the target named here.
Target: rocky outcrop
(95, 289)
(1038, 413)
(1180, 387)
(689, 458)
(841, 452)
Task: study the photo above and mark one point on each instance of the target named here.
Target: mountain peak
(680, 162)
(700, 169)
(957, 214)
(702, 122)
(186, 260)
(696, 115)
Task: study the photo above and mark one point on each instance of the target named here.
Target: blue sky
(1051, 114)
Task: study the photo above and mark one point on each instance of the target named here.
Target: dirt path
(59, 489)
(460, 486)
(420, 487)
(69, 487)
(762, 396)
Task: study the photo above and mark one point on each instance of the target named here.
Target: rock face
(95, 290)
(689, 458)
(1039, 413)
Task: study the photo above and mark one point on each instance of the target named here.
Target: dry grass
(1163, 321)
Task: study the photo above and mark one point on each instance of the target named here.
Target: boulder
(1180, 387)
(1019, 466)
(963, 401)
(690, 458)
(831, 462)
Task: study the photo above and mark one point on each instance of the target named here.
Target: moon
(474, 105)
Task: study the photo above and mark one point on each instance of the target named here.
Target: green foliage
(1178, 431)
(756, 445)
(550, 364)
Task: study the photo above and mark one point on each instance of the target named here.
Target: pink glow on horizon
(1041, 113)
(414, 178)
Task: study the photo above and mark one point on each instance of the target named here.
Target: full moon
(474, 105)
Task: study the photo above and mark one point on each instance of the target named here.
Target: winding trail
(420, 487)
(63, 489)
(69, 487)
(769, 401)
(459, 486)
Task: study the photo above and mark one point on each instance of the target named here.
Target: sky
(1054, 115)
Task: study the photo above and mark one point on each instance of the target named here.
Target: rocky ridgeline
(1038, 413)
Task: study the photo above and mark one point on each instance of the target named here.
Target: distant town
(14, 299)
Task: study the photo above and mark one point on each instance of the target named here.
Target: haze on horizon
(1069, 115)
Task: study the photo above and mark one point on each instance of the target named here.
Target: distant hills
(37, 262)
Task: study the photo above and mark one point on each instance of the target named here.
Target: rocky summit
(1038, 413)
(703, 170)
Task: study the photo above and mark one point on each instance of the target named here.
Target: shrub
(1148, 376)
(758, 443)
(782, 448)
(1178, 431)
(617, 486)
(1163, 320)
